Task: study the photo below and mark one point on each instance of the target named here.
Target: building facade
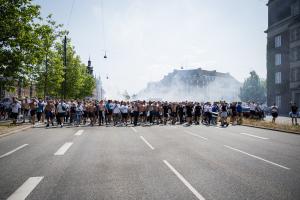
(89, 67)
(283, 54)
(193, 85)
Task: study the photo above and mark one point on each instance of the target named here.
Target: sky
(147, 39)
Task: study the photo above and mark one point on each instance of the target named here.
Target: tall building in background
(90, 69)
(283, 53)
(99, 91)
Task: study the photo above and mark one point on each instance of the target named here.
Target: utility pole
(65, 68)
(46, 77)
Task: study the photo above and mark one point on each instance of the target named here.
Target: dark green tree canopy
(253, 89)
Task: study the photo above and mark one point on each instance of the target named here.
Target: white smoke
(176, 89)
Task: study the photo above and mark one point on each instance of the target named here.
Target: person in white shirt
(61, 112)
(124, 111)
(116, 112)
(15, 109)
(252, 109)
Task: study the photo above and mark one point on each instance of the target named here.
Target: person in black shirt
(180, 113)
(165, 112)
(233, 113)
(197, 113)
(294, 113)
(189, 110)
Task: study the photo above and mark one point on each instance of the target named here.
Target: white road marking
(16, 149)
(149, 145)
(78, 133)
(134, 129)
(62, 150)
(193, 134)
(257, 157)
(254, 136)
(185, 182)
(24, 190)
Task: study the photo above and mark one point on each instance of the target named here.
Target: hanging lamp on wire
(103, 29)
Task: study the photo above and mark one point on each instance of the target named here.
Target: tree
(31, 53)
(125, 95)
(253, 89)
(19, 40)
(55, 73)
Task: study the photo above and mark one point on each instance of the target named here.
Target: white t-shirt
(124, 109)
(116, 109)
(15, 107)
(206, 108)
(252, 106)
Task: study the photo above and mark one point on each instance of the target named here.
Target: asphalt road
(158, 162)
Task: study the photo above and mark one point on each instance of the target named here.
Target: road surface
(158, 162)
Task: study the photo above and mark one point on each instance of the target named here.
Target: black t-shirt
(224, 108)
(294, 109)
(180, 110)
(188, 110)
(165, 108)
(233, 108)
(197, 109)
(73, 109)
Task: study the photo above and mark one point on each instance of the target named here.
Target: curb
(271, 129)
(15, 131)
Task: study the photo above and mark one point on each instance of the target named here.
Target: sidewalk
(7, 128)
(281, 120)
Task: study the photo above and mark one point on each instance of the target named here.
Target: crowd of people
(55, 112)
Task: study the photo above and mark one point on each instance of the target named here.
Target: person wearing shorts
(224, 115)
(61, 112)
(274, 112)
(15, 110)
(294, 113)
(33, 108)
(49, 112)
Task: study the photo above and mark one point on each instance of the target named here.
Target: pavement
(281, 120)
(157, 162)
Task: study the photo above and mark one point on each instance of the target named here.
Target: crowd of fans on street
(55, 112)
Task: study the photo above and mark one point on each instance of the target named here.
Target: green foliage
(31, 52)
(18, 40)
(253, 89)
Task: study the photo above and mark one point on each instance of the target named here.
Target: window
(278, 77)
(295, 9)
(295, 54)
(278, 41)
(295, 34)
(295, 74)
(277, 59)
(278, 101)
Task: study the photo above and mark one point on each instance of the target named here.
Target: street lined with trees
(31, 53)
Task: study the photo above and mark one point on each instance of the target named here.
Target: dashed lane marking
(24, 190)
(12, 151)
(78, 133)
(257, 157)
(193, 134)
(184, 181)
(263, 138)
(149, 145)
(134, 129)
(63, 149)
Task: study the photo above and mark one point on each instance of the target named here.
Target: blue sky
(146, 39)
